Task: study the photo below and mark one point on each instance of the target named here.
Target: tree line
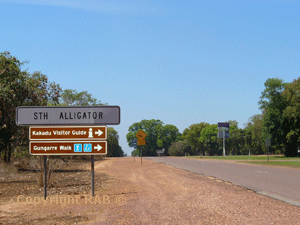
(20, 88)
(279, 121)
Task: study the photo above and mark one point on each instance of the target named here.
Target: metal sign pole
(92, 167)
(268, 144)
(224, 154)
(141, 155)
(45, 175)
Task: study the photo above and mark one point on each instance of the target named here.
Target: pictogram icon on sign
(87, 148)
(90, 132)
(77, 147)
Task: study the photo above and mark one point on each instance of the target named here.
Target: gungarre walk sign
(68, 147)
(69, 115)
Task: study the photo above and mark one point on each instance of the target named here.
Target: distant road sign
(227, 134)
(141, 142)
(220, 134)
(160, 151)
(69, 115)
(268, 142)
(68, 147)
(221, 125)
(141, 135)
(134, 143)
(68, 133)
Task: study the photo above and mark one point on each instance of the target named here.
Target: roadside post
(141, 141)
(45, 177)
(67, 130)
(268, 144)
(92, 169)
(224, 133)
(134, 145)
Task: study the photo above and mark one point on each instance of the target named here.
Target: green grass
(246, 157)
(294, 164)
(275, 160)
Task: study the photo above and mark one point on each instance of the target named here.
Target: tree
(254, 139)
(19, 88)
(209, 139)
(152, 129)
(235, 143)
(179, 148)
(168, 135)
(292, 117)
(158, 136)
(193, 134)
(74, 98)
(273, 104)
(113, 147)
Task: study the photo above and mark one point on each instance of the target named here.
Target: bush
(179, 148)
(277, 152)
(291, 150)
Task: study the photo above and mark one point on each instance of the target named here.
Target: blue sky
(182, 62)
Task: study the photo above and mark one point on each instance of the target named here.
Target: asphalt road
(276, 182)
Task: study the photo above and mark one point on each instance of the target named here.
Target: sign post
(141, 141)
(134, 145)
(92, 169)
(45, 175)
(85, 138)
(268, 144)
(223, 127)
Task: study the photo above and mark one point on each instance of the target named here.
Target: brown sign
(68, 147)
(68, 133)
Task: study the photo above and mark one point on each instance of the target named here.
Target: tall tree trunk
(5, 153)
(9, 153)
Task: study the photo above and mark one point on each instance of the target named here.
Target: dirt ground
(127, 192)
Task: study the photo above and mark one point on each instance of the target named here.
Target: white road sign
(71, 115)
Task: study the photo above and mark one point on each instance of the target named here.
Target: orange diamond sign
(141, 135)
